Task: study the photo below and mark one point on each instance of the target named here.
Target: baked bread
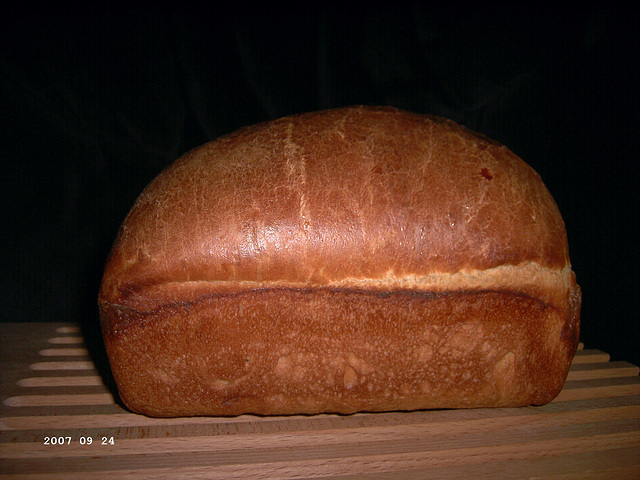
(347, 260)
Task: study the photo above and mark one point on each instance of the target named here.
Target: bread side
(304, 351)
(345, 260)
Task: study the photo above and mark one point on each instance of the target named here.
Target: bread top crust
(358, 197)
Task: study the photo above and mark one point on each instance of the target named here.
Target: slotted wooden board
(53, 387)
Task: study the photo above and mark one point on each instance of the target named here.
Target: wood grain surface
(60, 418)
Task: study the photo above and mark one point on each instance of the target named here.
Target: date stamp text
(82, 440)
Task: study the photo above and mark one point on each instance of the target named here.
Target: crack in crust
(550, 286)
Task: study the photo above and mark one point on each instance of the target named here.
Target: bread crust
(328, 250)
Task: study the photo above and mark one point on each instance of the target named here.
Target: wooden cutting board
(60, 418)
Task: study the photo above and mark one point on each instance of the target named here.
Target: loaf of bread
(357, 259)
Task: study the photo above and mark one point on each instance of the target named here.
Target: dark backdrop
(96, 102)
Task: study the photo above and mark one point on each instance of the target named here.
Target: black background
(95, 102)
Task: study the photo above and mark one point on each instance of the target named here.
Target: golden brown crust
(348, 193)
(410, 221)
